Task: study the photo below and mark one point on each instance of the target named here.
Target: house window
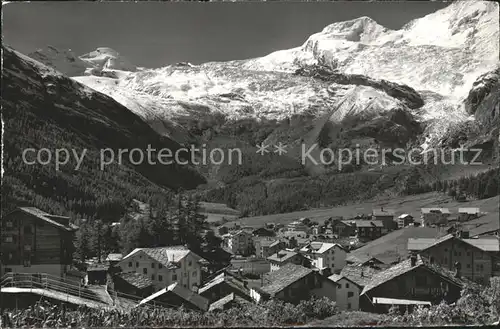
(152, 277)
(129, 264)
(136, 264)
(8, 224)
(185, 274)
(348, 306)
(160, 278)
(27, 247)
(145, 270)
(8, 239)
(152, 265)
(194, 273)
(347, 285)
(27, 263)
(160, 266)
(174, 277)
(350, 294)
(189, 264)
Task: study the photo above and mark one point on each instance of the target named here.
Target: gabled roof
(275, 243)
(278, 280)
(341, 221)
(285, 255)
(337, 277)
(219, 305)
(419, 243)
(363, 259)
(485, 244)
(359, 274)
(489, 245)
(137, 280)
(235, 233)
(189, 296)
(114, 257)
(264, 242)
(228, 279)
(429, 210)
(167, 256)
(383, 212)
(405, 267)
(402, 216)
(46, 217)
(470, 211)
(320, 247)
(364, 223)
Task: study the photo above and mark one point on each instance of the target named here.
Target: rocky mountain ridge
(427, 69)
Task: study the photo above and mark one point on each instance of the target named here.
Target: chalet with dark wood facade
(414, 279)
(367, 229)
(478, 258)
(386, 216)
(404, 220)
(222, 285)
(342, 228)
(467, 214)
(294, 283)
(34, 241)
(434, 216)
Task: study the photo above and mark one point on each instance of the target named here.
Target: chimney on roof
(413, 260)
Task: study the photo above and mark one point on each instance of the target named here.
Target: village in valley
(324, 257)
(334, 165)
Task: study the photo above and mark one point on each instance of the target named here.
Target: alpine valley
(432, 84)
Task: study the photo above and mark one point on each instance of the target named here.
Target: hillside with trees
(44, 109)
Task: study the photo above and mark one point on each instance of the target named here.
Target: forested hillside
(44, 109)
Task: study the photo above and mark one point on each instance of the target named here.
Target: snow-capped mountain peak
(107, 58)
(436, 59)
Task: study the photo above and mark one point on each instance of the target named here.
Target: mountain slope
(444, 52)
(437, 58)
(44, 109)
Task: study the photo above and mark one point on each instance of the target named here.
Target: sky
(155, 34)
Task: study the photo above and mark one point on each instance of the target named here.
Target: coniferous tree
(82, 243)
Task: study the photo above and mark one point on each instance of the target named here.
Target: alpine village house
(34, 241)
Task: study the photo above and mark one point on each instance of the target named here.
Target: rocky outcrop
(65, 61)
(482, 100)
(406, 94)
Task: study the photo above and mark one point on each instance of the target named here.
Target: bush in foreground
(271, 313)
